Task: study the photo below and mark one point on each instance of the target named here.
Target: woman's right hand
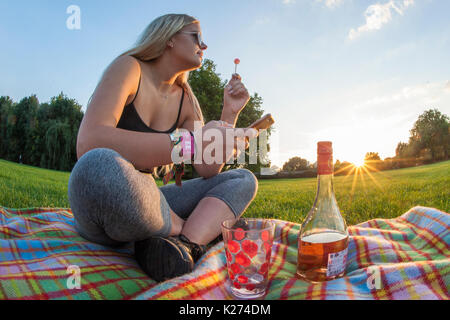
(219, 135)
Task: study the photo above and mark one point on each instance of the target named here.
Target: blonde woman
(129, 125)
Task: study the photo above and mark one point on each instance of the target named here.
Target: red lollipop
(236, 62)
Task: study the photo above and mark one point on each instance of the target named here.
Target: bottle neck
(324, 187)
(324, 175)
(325, 215)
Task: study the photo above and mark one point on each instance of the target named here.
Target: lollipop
(236, 62)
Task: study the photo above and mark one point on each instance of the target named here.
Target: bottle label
(337, 262)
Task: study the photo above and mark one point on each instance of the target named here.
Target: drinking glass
(248, 248)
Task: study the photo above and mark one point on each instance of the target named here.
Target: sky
(354, 72)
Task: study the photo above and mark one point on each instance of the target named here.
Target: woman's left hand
(235, 95)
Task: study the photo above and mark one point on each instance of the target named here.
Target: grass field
(385, 194)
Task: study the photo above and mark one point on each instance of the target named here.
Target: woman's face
(188, 46)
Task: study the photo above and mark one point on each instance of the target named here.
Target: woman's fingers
(236, 76)
(235, 83)
(238, 89)
(232, 140)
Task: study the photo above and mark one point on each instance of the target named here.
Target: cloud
(377, 15)
(289, 1)
(331, 3)
(422, 95)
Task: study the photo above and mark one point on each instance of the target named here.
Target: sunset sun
(358, 163)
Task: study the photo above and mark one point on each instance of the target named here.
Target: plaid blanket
(43, 257)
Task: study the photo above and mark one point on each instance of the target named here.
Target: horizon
(357, 74)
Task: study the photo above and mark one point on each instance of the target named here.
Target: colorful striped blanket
(43, 257)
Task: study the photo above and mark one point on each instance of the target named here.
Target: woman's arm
(235, 98)
(229, 146)
(204, 170)
(98, 127)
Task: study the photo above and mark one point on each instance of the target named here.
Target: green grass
(385, 194)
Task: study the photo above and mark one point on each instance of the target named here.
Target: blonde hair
(151, 45)
(153, 41)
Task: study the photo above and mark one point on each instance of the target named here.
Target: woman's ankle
(194, 238)
(177, 224)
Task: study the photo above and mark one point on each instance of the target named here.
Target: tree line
(45, 134)
(40, 134)
(429, 142)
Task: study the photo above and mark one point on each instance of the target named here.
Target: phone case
(263, 123)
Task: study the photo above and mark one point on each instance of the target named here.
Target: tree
(295, 164)
(372, 160)
(405, 155)
(6, 117)
(431, 131)
(19, 129)
(40, 134)
(208, 88)
(429, 141)
(372, 156)
(401, 150)
(337, 165)
(343, 168)
(58, 133)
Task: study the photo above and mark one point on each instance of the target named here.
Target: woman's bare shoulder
(119, 81)
(125, 65)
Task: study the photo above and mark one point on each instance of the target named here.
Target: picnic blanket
(43, 257)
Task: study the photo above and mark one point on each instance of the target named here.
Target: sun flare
(358, 163)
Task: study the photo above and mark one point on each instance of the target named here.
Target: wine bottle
(323, 237)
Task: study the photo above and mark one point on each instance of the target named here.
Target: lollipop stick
(236, 62)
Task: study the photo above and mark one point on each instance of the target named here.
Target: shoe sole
(162, 259)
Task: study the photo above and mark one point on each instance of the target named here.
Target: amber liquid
(313, 251)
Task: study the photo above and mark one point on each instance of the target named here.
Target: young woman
(142, 98)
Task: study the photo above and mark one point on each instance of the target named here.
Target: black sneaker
(196, 250)
(167, 258)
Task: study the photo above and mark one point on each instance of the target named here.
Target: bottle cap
(324, 157)
(324, 147)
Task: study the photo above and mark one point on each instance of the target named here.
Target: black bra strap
(181, 105)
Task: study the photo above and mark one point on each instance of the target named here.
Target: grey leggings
(113, 203)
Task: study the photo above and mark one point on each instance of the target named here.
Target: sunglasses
(198, 37)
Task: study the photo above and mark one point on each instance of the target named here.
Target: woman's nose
(203, 46)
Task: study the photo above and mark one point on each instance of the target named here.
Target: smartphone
(263, 123)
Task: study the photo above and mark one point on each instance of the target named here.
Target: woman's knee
(249, 181)
(96, 159)
(95, 164)
(85, 173)
(241, 186)
(106, 189)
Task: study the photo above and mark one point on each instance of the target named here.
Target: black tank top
(130, 119)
